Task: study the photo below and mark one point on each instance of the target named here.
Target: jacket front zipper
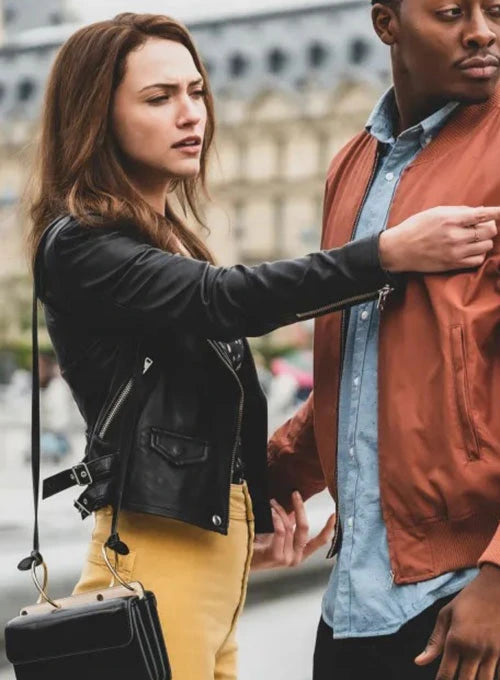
(382, 295)
(120, 399)
(239, 421)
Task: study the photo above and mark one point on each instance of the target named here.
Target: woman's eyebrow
(171, 86)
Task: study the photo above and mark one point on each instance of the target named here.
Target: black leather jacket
(104, 289)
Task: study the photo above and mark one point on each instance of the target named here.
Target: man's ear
(386, 23)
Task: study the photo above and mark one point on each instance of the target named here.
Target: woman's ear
(386, 23)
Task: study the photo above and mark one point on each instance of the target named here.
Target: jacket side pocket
(462, 393)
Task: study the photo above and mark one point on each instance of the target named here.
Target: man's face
(449, 49)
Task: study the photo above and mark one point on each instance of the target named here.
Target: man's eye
(451, 13)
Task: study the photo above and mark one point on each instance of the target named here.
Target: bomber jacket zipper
(382, 295)
(241, 404)
(119, 400)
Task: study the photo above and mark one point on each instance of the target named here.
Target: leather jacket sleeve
(114, 281)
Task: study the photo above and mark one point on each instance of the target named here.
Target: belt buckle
(80, 473)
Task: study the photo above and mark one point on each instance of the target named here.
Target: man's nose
(478, 33)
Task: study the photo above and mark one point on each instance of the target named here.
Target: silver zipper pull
(390, 580)
(383, 295)
(147, 364)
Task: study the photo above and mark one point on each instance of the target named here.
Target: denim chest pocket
(177, 449)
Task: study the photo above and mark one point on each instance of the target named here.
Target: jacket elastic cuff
(492, 553)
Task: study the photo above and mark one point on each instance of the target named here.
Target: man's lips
(480, 67)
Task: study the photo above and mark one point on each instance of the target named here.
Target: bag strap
(126, 435)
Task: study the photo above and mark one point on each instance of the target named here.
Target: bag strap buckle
(80, 473)
(81, 508)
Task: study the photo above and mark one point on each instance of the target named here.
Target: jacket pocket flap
(177, 448)
(66, 632)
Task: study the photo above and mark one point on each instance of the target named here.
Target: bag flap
(68, 632)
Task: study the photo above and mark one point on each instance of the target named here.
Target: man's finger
(324, 537)
(469, 668)
(449, 664)
(488, 669)
(437, 639)
(301, 524)
(467, 216)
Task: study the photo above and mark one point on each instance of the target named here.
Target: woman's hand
(440, 239)
(290, 544)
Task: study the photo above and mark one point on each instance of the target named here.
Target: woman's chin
(186, 170)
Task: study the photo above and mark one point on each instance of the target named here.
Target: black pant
(384, 657)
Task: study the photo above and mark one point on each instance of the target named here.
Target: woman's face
(159, 113)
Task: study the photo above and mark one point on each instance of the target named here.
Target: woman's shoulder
(68, 233)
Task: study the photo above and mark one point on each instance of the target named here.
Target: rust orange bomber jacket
(439, 366)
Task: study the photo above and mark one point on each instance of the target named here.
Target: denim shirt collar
(381, 121)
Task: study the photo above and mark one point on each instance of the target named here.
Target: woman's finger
(471, 262)
(301, 534)
(466, 216)
(324, 537)
(278, 542)
(476, 248)
(287, 556)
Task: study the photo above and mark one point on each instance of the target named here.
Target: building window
(359, 51)
(317, 55)
(238, 65)
(277, 60)
(25, 90)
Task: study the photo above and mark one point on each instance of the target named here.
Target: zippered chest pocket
(116, 405)
(462, 393)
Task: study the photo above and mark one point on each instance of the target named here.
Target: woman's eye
(159, 100)
(199, 93)
(494, 11)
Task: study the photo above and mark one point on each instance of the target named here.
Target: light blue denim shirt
(361, 599)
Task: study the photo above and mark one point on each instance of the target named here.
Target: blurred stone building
(291, 88)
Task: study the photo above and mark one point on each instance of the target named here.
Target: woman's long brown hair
(77, 168)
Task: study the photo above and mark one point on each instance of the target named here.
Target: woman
(127, 127)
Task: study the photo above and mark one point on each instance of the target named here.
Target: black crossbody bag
(103, 634)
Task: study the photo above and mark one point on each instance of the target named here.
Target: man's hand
(290, 544)
(440, 239)
(467, 631)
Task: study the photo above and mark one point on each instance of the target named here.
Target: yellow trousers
(199, 579)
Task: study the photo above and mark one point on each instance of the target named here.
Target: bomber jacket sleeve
(293, 461)
(113, 280)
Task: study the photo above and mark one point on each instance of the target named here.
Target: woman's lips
(192, 150)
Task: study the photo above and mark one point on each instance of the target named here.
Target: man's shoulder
(359, 143)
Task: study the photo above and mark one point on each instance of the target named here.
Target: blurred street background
(293, 81)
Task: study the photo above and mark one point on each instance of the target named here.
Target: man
(403, 425)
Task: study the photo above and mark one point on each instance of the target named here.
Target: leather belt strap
(82, 474)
